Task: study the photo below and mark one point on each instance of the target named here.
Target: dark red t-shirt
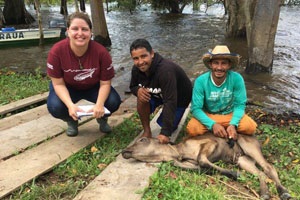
(96, 65)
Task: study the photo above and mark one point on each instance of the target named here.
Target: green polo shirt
(224, 99)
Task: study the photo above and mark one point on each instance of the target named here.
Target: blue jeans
(155, 102)
(59, 110)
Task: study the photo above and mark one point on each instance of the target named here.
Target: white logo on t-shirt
(84, 75)
(111, 66)
(49, 66)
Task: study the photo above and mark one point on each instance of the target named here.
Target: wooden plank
(30, 164)
(23, 103)
(29, 128)
(125, 179)
(23, 117)
(28, 115)
(20, 137)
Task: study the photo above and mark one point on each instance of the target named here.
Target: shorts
(155, 102)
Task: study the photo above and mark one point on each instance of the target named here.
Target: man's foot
(163, 139)
(103, 125)
(72, 130)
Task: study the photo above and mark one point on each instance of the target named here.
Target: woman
(80, 68)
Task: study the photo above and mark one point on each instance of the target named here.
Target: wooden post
(76, 6)
(37, 5)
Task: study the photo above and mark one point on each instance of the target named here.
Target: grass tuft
(18, 86)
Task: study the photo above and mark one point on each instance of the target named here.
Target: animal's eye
(143, 139)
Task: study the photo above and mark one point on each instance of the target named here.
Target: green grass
(15, 86)
(174, 183)
(281, 148)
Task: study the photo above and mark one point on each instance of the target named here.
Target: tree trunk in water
(2, 19)
(257, 20)
(100, 30)
(64, 8)
(37, 5)
(76, 6)
(236, 18)
(196, 5)
(82, 5)
(14, 12)
(174, 6)
(262, 34)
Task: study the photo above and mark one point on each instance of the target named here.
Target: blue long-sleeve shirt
(224, 99)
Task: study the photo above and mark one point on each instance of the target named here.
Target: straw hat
(221, 52)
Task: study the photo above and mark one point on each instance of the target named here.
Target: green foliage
(174, 183)
(283, 151)
(170, 5)
(127, 4)
(48, 2)
(16, 86)
(55, 191)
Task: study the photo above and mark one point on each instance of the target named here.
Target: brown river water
(184, 38)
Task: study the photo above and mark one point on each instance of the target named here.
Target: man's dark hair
(140, 43)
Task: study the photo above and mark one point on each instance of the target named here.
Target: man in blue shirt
(219, 98)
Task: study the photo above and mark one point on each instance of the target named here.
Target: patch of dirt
(260, 116)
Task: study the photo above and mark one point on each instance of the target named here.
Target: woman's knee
(113, 101)
(56, 107)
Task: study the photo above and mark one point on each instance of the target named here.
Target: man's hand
(231, 130)
(143, 95)
(219, 130)
(163, 139)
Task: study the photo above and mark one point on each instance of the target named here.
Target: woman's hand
(98, 111)
(73, 109)
(104, 91)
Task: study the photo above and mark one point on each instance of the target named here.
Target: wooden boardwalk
(33, 142)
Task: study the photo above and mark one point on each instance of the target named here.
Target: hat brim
(233, 58)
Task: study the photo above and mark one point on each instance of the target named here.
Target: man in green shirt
(219, 98)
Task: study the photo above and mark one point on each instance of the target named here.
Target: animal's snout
(230, 142)
(126, 154)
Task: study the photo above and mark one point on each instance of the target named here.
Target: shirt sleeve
(240, 99)
(134, 81)
(198, 102)
(168, 83)
(54, 64)
(107, 68)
